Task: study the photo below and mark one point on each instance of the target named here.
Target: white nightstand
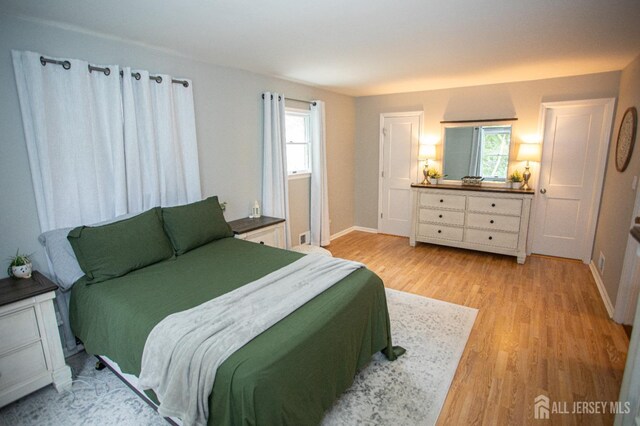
(263, 230)
(30, 349)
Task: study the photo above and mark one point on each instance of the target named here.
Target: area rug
(408, 391)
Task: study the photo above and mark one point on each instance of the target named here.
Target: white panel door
(399, 163)
(575, 142)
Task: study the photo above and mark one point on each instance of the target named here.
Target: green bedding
(290, 374)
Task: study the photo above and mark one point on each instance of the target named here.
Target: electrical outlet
(601, 263)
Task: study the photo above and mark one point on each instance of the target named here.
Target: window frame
(306, 114)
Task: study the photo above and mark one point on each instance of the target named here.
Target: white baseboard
(351, 229)
(603, 292)
(364, 229)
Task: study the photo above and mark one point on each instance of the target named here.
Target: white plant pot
(516, 185)
(23, 271)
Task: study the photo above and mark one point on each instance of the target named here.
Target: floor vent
(305, 237)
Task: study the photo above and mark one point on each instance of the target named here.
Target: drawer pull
(490, 237)
(493, 204)
(441, 200)
(439, 231)
(491, 221)
(440, 216)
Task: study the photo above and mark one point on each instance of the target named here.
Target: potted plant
(20, 266)
(516, 179)
(434, 174)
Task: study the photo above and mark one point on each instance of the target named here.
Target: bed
(289, 374)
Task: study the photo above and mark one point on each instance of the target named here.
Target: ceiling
(370, 47)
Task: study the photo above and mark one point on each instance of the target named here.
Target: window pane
(494, 166)
(297, 157)
(495, 152)
(295, 128)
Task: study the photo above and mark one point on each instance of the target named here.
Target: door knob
(543, 191)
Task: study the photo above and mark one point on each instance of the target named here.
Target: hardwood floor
(541, 328)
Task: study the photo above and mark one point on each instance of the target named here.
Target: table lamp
(528, 152)
(426, 153)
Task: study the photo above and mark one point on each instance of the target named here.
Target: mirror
(481, 150)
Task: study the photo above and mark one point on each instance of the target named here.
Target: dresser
(262, 230)
(30, 349)
(487, 219)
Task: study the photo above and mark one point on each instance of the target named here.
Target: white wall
(520, 100)
(228, 118)
(618, 195)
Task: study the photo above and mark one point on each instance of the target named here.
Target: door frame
(383, 115)
(625, 305)
(598, 169)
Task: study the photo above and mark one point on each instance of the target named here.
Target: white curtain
(99, 149)
(320, 232)
(475, 162)
(72, 122)
(160, 141)
(275, 187)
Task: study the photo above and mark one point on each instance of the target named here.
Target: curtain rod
(67, 65)
(314, 103)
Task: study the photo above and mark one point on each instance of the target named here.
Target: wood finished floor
(541, 328)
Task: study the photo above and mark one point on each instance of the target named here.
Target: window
(298, 141)
(494, 145)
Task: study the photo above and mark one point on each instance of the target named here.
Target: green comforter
(290, 374)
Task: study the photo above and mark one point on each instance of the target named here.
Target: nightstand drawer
(492, 238)
(492, 221)
(495, 205)
(441, 232)
(266, 236)
(444, 201)
(18, 328)
(18, 366)
(442, 216)
(262, 230)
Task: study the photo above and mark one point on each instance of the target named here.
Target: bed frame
(132, 382)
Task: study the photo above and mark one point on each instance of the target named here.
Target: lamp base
(525, 176)
(426, 180)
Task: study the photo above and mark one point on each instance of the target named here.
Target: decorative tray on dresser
(480, 218)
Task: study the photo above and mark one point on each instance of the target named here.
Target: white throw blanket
(184, 350)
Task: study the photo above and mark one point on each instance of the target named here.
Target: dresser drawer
(495, 205)
(18, 328)
(445, 201)
(492, 238)
(492, 221)
(438, 231)
(19, 366)
(442, 216)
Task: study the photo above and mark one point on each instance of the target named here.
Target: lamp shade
(427, 152)
(529, 152)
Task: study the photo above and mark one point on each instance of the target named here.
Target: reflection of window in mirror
(494, 152)
(477, 151)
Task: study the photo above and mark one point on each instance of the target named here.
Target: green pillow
(196, 224)
(112, 250)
